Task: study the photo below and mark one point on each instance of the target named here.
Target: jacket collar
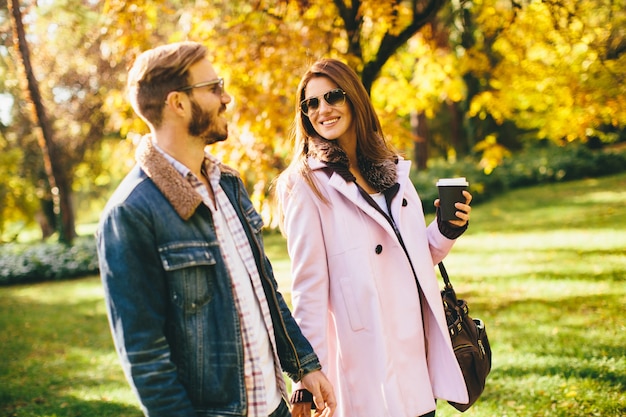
(342, 184)
(174, 187)
(380, 175)
(403, 168)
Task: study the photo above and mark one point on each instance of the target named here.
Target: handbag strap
(459, 305)
(444, 274)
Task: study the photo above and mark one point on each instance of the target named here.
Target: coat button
(404, 202)
(379, 249)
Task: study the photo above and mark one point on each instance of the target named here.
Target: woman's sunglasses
(336, 97)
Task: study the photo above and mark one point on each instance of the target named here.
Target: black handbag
(469, 340)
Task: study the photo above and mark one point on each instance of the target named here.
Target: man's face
(207, 124)
(208, 104)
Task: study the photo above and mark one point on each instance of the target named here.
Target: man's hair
(157, 72)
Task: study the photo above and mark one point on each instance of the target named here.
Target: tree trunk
(57, 177)
(457, 140)
(422, 12)
(419, 128)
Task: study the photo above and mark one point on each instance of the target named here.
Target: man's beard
(203, 126)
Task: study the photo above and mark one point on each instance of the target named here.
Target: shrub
(45, 261)
(542, 162)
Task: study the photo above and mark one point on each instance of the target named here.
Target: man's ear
(175, 101)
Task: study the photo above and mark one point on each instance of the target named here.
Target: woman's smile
(331, 121)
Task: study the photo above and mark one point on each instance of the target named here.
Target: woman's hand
(463, 210)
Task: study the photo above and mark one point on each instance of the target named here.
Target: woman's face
(331, 121)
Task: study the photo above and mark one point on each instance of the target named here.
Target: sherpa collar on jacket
(380, 175)
(176, 189)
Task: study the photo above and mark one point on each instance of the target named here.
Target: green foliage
(538, 164)
(553, 67)
(26, 263)
(18, 202)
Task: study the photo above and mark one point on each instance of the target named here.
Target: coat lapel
(404, 167)
(350, 191)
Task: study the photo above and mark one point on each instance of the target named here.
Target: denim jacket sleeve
(135, 296)
(304, 359)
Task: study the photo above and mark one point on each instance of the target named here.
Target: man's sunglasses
(336, 97)
(218, 90)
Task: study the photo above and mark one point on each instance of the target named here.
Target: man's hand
(323, 395)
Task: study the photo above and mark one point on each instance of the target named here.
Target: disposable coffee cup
(450, 192)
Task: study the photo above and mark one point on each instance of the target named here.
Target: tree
(396, 22)
(266, 46)
(58, 180)
(473, 76)
(557, 68)
(262, 48)
(80, 70)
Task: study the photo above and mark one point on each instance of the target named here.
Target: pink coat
(355, 298)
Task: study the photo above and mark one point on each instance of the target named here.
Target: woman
(357, 239)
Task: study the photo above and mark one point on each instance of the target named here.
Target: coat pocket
(352, 306)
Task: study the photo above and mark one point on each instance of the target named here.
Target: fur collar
(176, 189)
(380, 175)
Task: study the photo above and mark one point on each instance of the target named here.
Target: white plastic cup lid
(447, 182)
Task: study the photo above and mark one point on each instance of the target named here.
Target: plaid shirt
(255, 386)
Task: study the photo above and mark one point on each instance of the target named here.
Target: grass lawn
(545, 267)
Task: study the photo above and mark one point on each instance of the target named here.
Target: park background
(525, 98)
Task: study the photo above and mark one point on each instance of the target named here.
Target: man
(194, 309)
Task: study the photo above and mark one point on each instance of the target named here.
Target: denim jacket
(169, 297)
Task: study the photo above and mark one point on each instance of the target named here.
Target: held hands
(301, 410)
(463, 210)
(323, 395)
